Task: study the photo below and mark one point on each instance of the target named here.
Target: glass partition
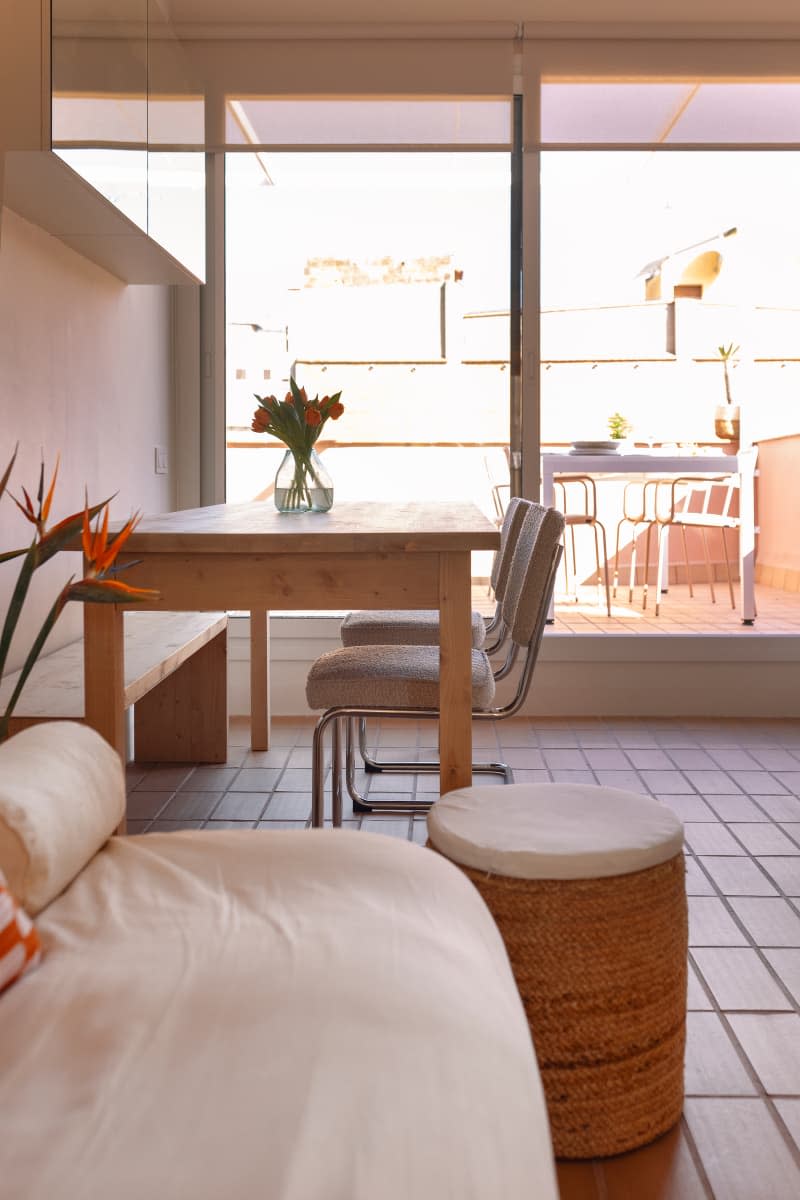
(126, 117)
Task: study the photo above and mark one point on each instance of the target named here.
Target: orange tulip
(335, 411)
(313, 416)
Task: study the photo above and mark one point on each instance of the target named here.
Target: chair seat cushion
(554, 830)
(389, 677)
(398, 627)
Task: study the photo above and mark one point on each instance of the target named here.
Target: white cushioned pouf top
(554, 830)
(62, 795)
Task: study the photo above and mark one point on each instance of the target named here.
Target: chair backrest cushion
(528, 588)
(512, 523)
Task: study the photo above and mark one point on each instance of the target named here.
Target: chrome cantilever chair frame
(515, 514)
(334, 717)
(430, 766)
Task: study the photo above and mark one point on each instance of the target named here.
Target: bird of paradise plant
(99, 584)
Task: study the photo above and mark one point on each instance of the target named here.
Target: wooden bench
(175, 677)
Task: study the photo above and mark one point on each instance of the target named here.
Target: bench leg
(185, 718)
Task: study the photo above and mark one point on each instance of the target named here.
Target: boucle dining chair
(396, 627)
(403, 681)
(420, 627)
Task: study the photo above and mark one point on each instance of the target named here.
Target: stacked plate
(594, 448)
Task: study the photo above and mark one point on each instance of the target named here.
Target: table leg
(455, 687)
(259, 681)
(104, 675)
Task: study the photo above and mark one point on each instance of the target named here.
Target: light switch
(161, 464)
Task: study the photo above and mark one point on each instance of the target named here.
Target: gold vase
(726, 422)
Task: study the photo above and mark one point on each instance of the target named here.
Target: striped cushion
(389, 677)
(396, 627)
(19, 942)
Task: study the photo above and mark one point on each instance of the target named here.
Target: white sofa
(295, 1016)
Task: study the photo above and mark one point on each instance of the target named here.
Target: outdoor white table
(250, 557)
(642, 464)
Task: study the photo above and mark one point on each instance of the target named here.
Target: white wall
(85, 371)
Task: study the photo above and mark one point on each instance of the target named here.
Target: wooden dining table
(366, 554)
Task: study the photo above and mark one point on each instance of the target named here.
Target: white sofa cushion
(62, 795)
(303, 1015)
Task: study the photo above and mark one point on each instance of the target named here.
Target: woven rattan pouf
(587, 887)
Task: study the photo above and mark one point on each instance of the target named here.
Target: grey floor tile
(241, 806)
(770, 920)
(564, 760)
(627, 781)
(758, 783)
(710, 924)
(711, 838)
(785, 872)
(764, 838)
(786, 963)
(790, 780)
(212, 779)
(780, 808)
(713, 783)
(736, 808)
(739, 980)
(190, 806)
(771, 1041)
(163, 779)
(256, 779)
(146, 805)
(736, 876)
(288, 806)
(688, 808)
(667, 783)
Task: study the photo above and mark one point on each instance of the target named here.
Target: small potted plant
(726, 416)
(618, 427)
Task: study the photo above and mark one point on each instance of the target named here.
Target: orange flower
(304, 395)
(313, 416)
(260, 421)
(288, 398)
(335, 411)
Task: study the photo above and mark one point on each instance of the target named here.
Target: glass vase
(302, 483)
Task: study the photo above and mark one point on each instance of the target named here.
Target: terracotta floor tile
(743, 1151)
(578, 1181)
(771, 1041)
(664, 1170)
(738, 979)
